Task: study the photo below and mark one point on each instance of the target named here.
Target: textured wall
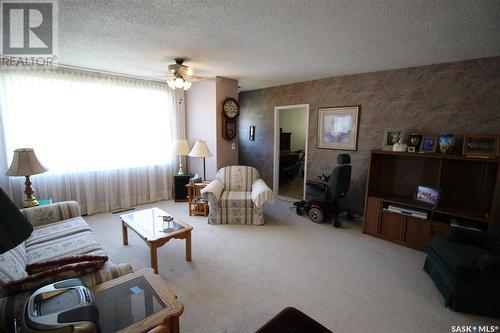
(458, 98)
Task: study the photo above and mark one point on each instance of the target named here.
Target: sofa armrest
(213, 190)
(42, 215)
(470, 237)
(108, 271)
(261, 193)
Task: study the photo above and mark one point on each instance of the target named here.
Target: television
(427, 195)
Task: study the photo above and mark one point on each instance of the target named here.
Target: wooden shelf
(436, 155)
(196, 205)
(469, 192)
(467, 213)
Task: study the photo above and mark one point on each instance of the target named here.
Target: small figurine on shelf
(446, 143)
(414, 142)
(400, 145)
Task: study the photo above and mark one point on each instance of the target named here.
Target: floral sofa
(58, 231)
(236, 196)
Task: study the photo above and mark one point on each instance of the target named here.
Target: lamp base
(30, 203)
(181, 170)
(29, 199)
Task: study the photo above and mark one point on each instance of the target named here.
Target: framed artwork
(429, 144)
(486, 146)
(338, 128)
(391, 136)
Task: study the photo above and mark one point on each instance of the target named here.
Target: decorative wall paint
(458, 98)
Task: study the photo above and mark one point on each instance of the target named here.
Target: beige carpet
(241, 276)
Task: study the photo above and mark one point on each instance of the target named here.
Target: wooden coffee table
(137, 302)
(148, 224)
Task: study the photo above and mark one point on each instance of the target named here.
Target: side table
(137, 302)
(196, 204)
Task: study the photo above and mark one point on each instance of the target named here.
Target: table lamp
(200, 149)
(14, 227)
(25, 163)
(181, 148)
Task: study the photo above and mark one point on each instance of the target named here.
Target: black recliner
(328, 192)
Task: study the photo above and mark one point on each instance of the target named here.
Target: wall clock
(230, 111)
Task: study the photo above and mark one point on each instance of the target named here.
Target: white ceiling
(265, 43)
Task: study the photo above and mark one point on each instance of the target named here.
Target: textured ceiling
(265, 43)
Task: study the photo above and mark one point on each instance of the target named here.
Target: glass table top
(125, 304)
(150, 223)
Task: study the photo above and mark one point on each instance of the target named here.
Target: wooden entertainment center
(469, 194)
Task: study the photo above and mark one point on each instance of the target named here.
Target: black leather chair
(331, 189)
(465, 267)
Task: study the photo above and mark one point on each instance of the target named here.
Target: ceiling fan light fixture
(187, 85)
(171, 84)
(179, 82)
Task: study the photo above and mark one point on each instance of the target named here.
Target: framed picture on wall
(338, 128)
(391, 136)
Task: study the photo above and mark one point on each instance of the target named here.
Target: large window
(106, 140)
(79, 122)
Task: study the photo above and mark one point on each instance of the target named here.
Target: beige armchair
(236, 196)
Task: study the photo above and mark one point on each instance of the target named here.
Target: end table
(180, 180)
(137, 302)
(196, 204)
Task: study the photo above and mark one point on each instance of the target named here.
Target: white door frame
(276, 181)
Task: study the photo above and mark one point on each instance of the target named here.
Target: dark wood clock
(230, 111)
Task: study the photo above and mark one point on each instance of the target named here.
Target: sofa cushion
(236, 199)
(13, 263)
(12, 266)
(69, 245)
(57, 230)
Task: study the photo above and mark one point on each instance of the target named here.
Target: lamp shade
(181, 147)
(200, 149)
(25, 163)
(14, 227)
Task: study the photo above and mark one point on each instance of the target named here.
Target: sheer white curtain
(106, 140)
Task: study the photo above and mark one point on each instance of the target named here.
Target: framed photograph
(338, 128)
(429, 144)
(391, 136)
(486, 146)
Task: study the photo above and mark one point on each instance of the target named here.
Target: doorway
(291, 127)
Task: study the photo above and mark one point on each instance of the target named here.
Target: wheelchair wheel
(299, 211)
(316, 215)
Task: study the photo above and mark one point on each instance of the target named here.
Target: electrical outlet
(233, 146)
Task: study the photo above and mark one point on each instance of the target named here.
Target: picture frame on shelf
(338, 128)
(481, 145)
(391, 136)
(429, 144)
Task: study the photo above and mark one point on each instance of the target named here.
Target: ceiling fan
(181, 76)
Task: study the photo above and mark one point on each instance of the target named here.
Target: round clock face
(231, 108)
